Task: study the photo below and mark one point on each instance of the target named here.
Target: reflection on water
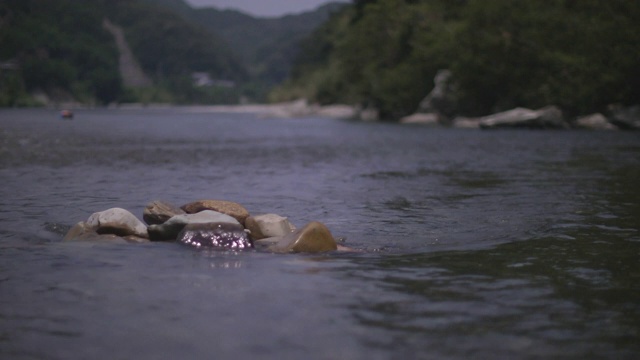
(511, 244)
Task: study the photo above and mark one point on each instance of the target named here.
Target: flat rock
(117, 221)
(268, 225)
(226, 207)
(223, 236)
(314, 237)
(549, 117)
(157, 212)
(169, 230)
(430, 119)
(594, 122)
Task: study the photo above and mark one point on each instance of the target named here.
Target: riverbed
(509, 244)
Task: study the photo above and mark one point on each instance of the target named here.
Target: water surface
(477, 244)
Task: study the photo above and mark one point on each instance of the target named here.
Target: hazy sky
(263, 7)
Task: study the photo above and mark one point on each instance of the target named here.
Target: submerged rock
(314, 237)
(158, 212)
(268, 225)
(117, 221)
(169, 230)
(226, 207)
(215, 235)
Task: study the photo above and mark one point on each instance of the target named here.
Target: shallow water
(477, 244)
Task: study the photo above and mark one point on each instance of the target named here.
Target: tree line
(59, 47)
(580, 55)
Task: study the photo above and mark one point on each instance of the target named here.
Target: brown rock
(80, 231)
(232, 209)
(314, 237)
(157, 212)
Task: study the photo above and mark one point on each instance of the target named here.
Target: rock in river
(158, 212)
(169, 230)
(216, 236)
(117, 221)
(314, 237)
(268, 225)
(226, 207)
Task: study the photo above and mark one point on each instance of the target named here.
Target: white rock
(596, 122)
(268, 225)
(118, 217)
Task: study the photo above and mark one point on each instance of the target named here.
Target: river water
(476, 244)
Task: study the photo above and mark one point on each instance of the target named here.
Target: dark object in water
(66, 114)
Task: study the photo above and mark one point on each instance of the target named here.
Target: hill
(580, 55)
(64, 50)
(266, 46)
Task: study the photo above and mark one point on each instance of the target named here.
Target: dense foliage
(60, 48)
(41, 39)
(266, 46)
(580, 55)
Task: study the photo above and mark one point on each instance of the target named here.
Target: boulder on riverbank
(549, 117)
(626, 118)
(594, 122)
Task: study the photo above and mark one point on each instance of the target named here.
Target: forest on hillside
(580, 55)
(60, 49)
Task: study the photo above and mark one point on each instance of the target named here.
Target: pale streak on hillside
(130, 71)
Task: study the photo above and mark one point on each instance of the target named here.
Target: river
(476, 244)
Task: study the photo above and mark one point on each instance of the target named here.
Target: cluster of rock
(214, 224)
(439, 109)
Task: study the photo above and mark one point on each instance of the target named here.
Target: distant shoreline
(299, 108)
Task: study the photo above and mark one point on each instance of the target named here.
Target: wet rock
(594, 122)
(118, 222)
(226, 207)
(549, 117)
(169, 230)
(265, 243)
(268, 225)
(216, 236)
(314, 237)
(83, 232)
(80, 232)
(157, 212)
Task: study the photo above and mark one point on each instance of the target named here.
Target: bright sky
(263, 8)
